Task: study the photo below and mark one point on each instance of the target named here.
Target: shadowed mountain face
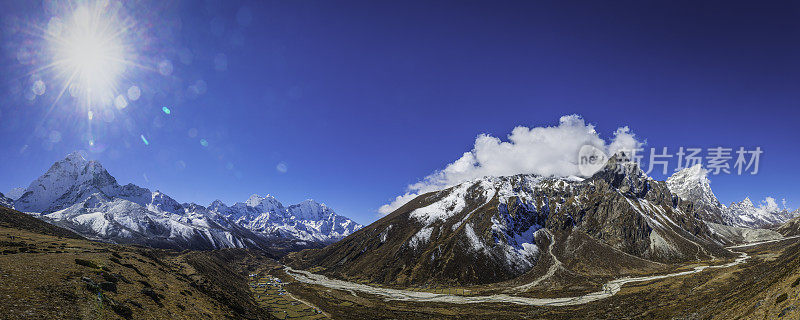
(495, 229)
(82, 196)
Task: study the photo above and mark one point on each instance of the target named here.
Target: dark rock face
(497, 229)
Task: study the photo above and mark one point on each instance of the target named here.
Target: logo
(591, 159)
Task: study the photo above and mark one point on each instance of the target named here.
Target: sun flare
(88, 52)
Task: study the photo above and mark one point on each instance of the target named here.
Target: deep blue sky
(359, 99)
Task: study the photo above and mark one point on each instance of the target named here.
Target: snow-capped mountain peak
(747, 203)
(309, 210)
(254, 200)
(15, 193)
(66, 182)
(76, 156)
(264, 204)
(163, 203)
(216, 205)
(692, 184)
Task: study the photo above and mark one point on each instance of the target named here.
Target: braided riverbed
(609, 289)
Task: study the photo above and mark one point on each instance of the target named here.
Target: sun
(88, 52)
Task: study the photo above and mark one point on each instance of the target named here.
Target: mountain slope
(10, 218)
(495, 229)
(792, 226)
(6, 202)
(51, 273)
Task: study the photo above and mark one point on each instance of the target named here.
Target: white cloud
(546, 151)
(769, 204)
(397, 203)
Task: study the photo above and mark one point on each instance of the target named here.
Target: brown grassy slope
(49, 277)
(790, 228)
(14, 219)
(766, 290)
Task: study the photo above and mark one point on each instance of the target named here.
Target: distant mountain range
(692, 184)
(82, 196)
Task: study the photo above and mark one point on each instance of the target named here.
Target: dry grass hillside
(50, 273)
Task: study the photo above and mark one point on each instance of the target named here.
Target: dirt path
(609, 289)
(328, 315)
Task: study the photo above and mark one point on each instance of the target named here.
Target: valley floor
(733, 290)
(269, 292)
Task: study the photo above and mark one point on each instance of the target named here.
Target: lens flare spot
(54, 26)
(282, 167)
(134, 93)
(203, 142)
(38, 87)
(166, 110)
(55, 136)
(165, 67)
(120, 102)
(147, 143)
